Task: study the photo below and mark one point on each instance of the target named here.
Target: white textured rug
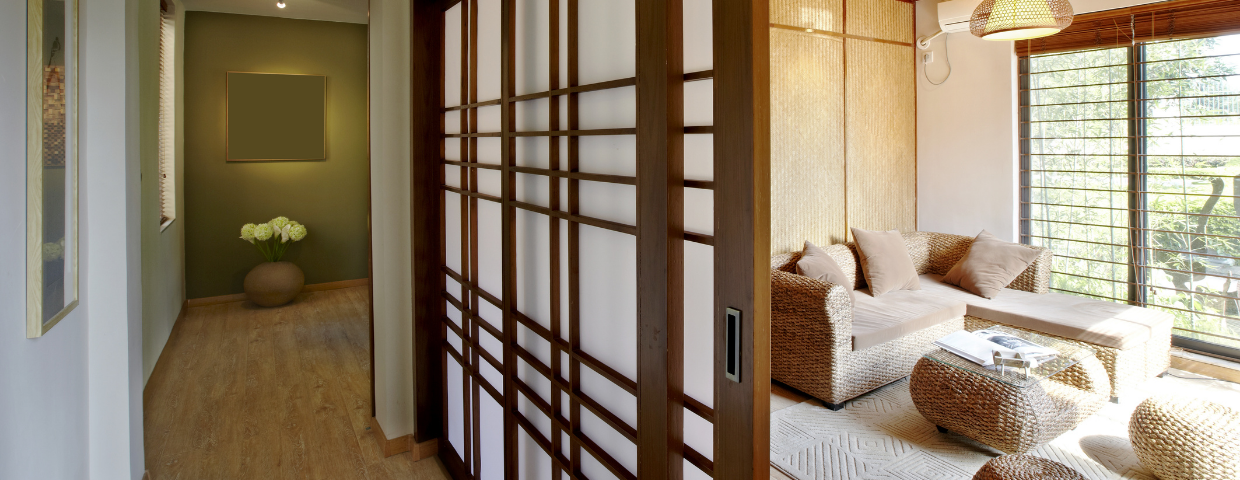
(880, 435)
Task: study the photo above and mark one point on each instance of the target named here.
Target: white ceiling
(349, 11)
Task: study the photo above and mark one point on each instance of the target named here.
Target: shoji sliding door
(578, 263)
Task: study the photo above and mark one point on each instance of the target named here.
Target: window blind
(1130, 173)
(167, 116)
(1178, 20)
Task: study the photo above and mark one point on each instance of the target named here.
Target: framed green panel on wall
(273, 116)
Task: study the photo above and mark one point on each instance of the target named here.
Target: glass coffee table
(1011, 409)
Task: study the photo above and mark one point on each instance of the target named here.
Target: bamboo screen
(843, 120)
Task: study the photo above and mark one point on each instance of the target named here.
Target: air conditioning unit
(954, 15)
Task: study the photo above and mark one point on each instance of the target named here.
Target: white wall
(163, 252)
(70, 401)
(967, 137)
(390, 215)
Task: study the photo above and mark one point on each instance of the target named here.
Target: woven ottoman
(1025, 467)
(1180, 439)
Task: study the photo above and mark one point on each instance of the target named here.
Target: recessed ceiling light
(280, 3)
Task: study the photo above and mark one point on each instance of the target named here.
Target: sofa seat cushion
(1107, 324)
(877, 320)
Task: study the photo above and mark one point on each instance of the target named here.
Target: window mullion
(1136, 167)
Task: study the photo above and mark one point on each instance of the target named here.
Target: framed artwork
(51, 163)
(275, 116)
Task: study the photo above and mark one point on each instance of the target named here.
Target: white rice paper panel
(700, 211)
(608, 298)
(609, 154)
(488, 151)
(456, 406)
(698, 36)
(532, 462)
(532, 61)
(700, 103)
(490, 119)
(565, 319)
(453, 338)
(526, 372)
(699, 434)
(533, 259)
(452, 122)
(564, 47)
(609, 440)
(610, 108)
(456, 316)
(452, 174)
(453, 288)
(533, 115)
(494, 347)
(607, 40)
(591, 467)
(608, 201)
(452, 149)
(692, 473)
(452, 56)
(490, 260)
(491, 435)
(535, 189)
(699, 332)
(452, 231)
(534, 152)
(700, 157)
(490, 182)
(488, 51)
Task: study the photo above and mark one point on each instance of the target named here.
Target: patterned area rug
(880, 435)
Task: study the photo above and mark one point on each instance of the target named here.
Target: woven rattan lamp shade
(1001, 20)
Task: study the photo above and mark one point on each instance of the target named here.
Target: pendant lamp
(1001, 20)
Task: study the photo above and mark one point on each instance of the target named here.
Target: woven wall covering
(54, 116)
(882, 137)
(816, 14)
(881, 19)
(807, 140)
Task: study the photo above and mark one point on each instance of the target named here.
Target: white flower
(297, 232)
(284, 233)
(278, 223)
(262, 232)
(247, 232)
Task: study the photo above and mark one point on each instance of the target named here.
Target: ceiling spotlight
(280, 3)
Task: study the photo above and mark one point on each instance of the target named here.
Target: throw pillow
(817, 264)
(885, 261)
(990, 265)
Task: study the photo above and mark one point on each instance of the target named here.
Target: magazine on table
(980, 347)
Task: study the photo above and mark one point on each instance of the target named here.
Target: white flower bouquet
(274, 237)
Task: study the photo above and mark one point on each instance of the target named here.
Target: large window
(1130, 173)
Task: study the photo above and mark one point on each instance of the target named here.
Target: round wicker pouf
(1180, 439)
(1025, 467)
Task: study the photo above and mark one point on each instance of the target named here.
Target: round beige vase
(272, 284)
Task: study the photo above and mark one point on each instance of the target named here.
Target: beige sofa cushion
(885, 261)
(1102, 323)
(990, 265)
(818, 265)
(897, 313)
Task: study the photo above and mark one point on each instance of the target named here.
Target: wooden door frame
(741, 240)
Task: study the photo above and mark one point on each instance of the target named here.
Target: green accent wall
(328, 196)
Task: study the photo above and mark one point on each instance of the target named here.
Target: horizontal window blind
(167, 116)
(1174, 20)
(1130, 173)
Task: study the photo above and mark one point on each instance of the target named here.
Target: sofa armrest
(1037, 276)
(809, 313)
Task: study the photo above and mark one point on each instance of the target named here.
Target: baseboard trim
(316, 287)
(403, 443)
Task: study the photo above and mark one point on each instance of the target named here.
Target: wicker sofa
(827, 347)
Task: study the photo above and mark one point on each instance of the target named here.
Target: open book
(980, 347)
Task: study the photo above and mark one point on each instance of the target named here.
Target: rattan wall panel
(881, 136)
(807, 140)
(882, 19)
(815, 14)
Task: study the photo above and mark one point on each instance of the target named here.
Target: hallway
(243, 392)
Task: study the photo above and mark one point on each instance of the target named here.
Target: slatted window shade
(1130, 167)
(167, 115)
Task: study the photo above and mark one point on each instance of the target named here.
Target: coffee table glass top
(1069, 354)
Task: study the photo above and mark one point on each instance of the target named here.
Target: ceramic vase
(272, 284)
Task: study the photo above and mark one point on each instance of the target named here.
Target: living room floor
(883, 434)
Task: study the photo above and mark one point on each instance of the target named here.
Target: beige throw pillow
(990, 265)
(885, 261)
(817, 264)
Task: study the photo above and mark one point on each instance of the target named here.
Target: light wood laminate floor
(244, 392)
